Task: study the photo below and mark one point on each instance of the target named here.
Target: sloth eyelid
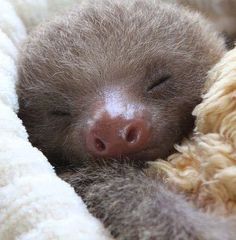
(159, 81)
(60, 113)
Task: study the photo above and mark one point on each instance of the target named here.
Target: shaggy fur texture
(133, 206)
(67, 65)
(35, 204)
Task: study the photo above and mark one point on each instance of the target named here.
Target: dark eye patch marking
(60, 113)
(158, 82)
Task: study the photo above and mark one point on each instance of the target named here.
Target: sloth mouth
(138, 159)
(152, 153)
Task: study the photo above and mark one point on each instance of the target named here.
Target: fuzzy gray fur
(134, 206)
(66, 65)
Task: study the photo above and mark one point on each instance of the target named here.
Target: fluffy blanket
(205, 166)
(34, 202)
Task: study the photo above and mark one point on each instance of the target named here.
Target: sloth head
(114, 80)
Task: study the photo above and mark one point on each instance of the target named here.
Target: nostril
(100, 145)
(109, 137)
(132, 135)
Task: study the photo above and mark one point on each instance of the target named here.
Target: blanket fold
(205, 165)
(34, 202)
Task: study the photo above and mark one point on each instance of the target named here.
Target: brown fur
(133, 206)
(66, 65)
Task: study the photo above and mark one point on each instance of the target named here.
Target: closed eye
(158, 82)
(60, 113)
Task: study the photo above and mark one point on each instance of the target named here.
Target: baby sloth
(116, 81)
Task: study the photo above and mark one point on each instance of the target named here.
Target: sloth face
(114, 80)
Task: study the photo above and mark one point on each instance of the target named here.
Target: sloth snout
(114, 136)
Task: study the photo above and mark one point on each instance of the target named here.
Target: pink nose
(113, 137)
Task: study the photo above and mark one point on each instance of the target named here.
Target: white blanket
(34, 203)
